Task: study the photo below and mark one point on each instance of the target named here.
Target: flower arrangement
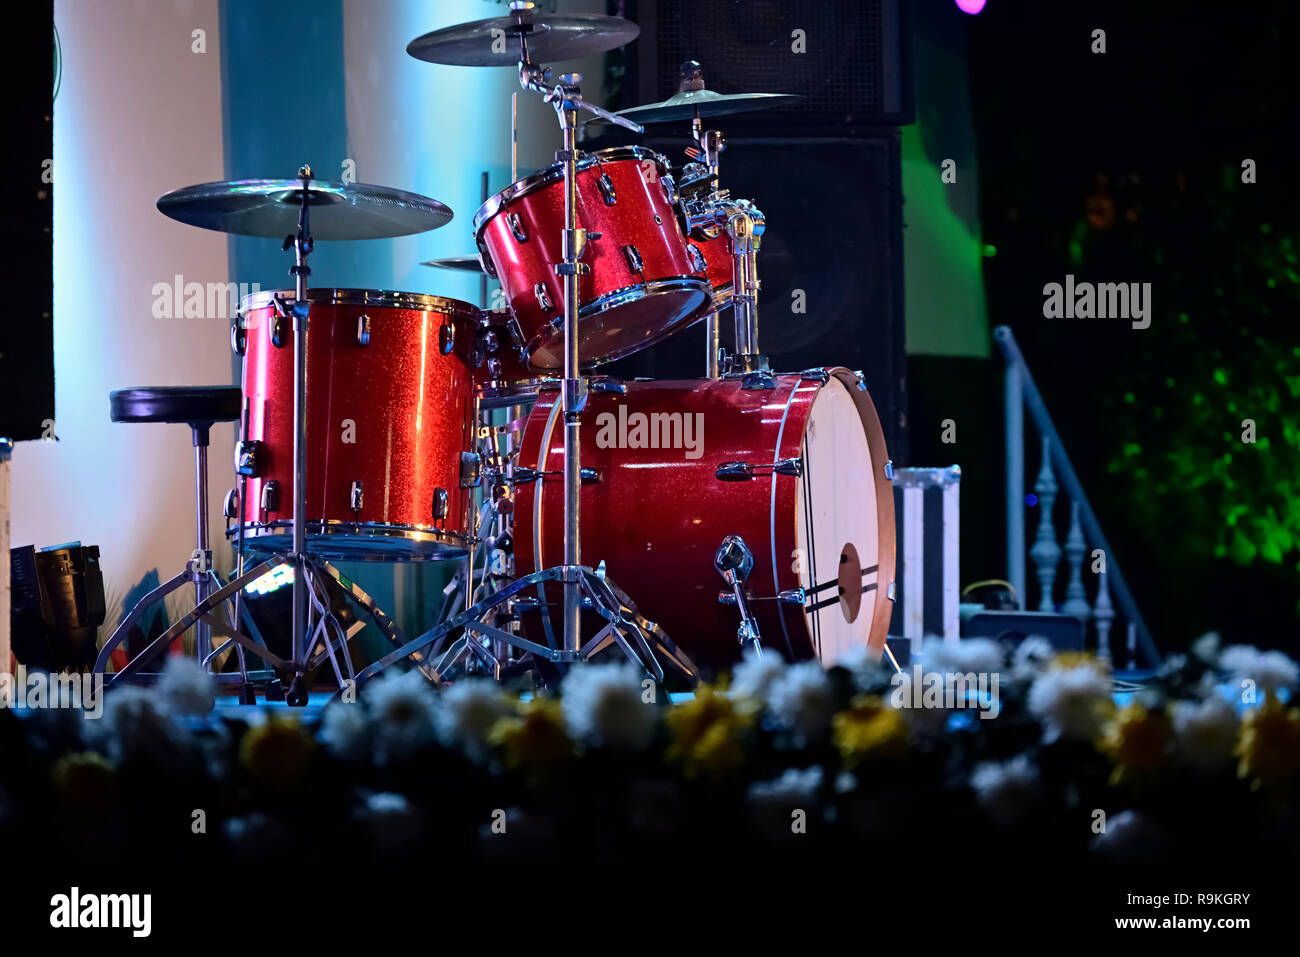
(784, 759)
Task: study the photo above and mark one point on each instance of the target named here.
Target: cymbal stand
(584, 588)
(301, 242)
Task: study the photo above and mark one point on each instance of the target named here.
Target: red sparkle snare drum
(389, 424)
(796, 469)
(644, 283)
(501, 377)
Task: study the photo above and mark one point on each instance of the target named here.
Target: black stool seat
(199, 405)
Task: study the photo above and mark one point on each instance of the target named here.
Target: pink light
(970, 6)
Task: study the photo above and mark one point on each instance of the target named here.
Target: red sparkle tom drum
(644, 282)
(501, 377)
(390, 427)
(797, 469)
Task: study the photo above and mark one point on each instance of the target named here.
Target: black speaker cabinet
(849, 60)
(831, 266)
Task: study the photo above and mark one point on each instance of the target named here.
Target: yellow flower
(1066, 660)
(85, 780)
(1137, 741)
(1269, 745)
(706, 732)
(868, 731)
(277, 753)
(535, 739)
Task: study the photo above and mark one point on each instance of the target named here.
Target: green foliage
(1226, 325)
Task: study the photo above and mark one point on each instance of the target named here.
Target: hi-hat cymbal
(458, 263)
(269, 207)
(550, 38)
(704, 103)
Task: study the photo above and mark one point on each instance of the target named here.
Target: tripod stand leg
(202, 611)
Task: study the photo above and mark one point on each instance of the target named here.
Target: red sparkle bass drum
(390, 424)
(794, 464)
(644, 282)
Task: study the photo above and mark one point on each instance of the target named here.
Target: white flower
(1206, 732)
(393, 823)
(1131, 838)
(185, 687)
(801, 699)
(467, 711)
(772, 804)
(136, 727)
(1032, 654)
(870, 672)
(1206, 647)
(603, 706)
(346, 730)
(1269, 670)
(1072, 702)
(754, 676)
(979, 655)
(1006, 790)
(402, 715)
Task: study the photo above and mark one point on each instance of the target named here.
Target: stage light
(970, 6)
(273, 580)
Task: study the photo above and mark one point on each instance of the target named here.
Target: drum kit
(372, 425)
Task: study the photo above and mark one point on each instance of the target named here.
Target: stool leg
(202, 633)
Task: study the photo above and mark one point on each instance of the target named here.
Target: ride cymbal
(457, 263)
(269, 208)
(550, 38)
(704, 103)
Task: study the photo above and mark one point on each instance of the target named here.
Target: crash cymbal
(704, 103)
(458, 263)
(269, 207)
(550, 38)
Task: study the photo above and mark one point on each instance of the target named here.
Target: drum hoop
(364, 297)
(554, 174)
(622, 297)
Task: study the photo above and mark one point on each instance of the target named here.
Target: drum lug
(248, 458)
(670, 189)
(862, 380)
(793, 596)
(271, 496)
(743, 471)
(891, 592)
(446, 338)
(818, 374)
(606, 186)
(516, 227)
(634, 261)
(355, 497)
(441, 503)
(604, 383)
(516, 332)
(230, 507)
(523, 475)
(543, 300)
(758, 380)
(471, 469)
(889, 470)
(363, 330)
(697, 257)
(277, 331)
(238, 337)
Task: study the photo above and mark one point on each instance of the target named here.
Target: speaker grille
(745, 46)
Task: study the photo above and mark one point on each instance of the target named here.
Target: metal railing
(1084, 539)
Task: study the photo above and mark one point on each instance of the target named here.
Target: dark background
(27, 337)
(1115, 167)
